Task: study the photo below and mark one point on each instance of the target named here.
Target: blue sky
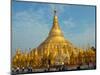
(31, 23)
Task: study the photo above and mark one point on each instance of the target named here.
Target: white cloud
(69, 23)
(29, 29)
(84, 38)
(60, 8)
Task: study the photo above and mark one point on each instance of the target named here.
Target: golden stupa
(55, 50)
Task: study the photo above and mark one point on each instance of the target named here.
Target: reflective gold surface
(55, 50)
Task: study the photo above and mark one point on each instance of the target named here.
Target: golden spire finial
(55, 30)
(55, 11)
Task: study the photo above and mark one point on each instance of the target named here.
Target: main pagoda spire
(55, 30)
